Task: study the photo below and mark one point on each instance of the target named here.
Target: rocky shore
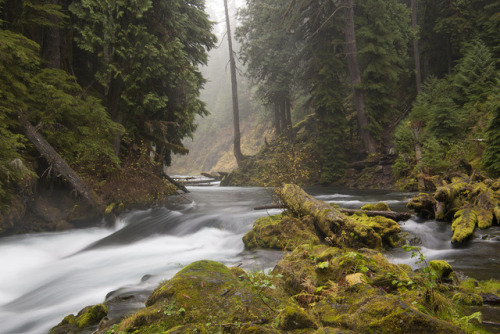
(334, 278)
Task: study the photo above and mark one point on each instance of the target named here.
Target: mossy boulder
(293, 317)
(442, 269)
(467, 299)
(281, 232)
(87, 319)
(373, 312)
(321, 265)
(208, 296)
(423, 204)
(381, 206)
(386, 230)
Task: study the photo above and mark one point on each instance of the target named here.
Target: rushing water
(47, 276)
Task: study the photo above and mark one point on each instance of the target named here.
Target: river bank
(63, 279)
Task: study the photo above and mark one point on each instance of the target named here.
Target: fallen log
(336, 228)
(195, 182)
(177, 184)
(328, 219)
(396, 216)
(60, 165)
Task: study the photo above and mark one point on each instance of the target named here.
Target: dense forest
(112, 86)
(414, 83)
(406, 88)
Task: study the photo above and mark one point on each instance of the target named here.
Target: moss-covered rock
(463, 225)
(281, 232)
(208, 296)
(467, 299)
(423, 204)
(87, 319)
(373, 312)
(381, 206)
(293, 317)
(386, 228)
(442, 269)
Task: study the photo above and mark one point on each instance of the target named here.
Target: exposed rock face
(55, 210)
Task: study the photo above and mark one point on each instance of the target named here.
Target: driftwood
(396, 216)
(60, 165)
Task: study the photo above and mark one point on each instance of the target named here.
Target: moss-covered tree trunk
(327, 218)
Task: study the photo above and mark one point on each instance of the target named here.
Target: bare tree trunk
(59, 164)
(277, 119)
(234, 85)
(355, 74)
(416, 50)
(51, 46)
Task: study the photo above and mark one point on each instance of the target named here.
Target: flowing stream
(50, 275)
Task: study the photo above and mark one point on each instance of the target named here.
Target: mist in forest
(211, 147)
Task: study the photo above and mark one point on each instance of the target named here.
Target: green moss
(91, 316)
(423, 204)
(365, 312)
(374, 232)
(280, 232)
(442, 268)
(293, 317)
(463, 225)
(88, 317)
(206, 295)
(381, 206)
(467, 299)
(484, 218)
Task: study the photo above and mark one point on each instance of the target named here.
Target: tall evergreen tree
(147, 55)
(234, 89)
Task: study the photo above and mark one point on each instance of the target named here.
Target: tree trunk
(277, 119)
(416, 51)
(355, 74)
(234, 85)
(328, 219)
(51, 46)
(288, 111)
(60, 165)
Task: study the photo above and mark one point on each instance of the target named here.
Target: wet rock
(490, 299)
(86, 320)
(423, 204)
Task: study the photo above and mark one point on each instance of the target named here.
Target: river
(49, 275)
